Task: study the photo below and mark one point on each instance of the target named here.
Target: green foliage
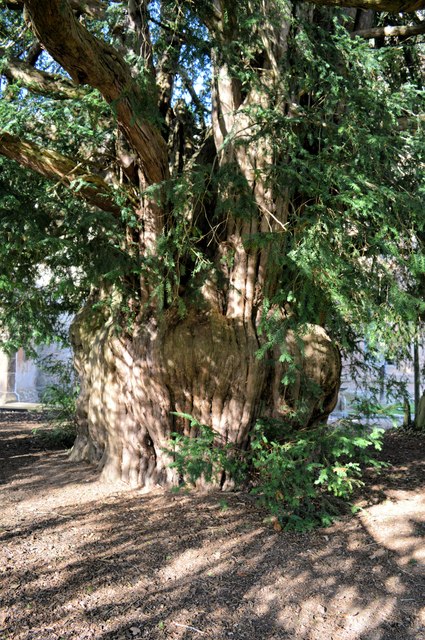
(370, 408)
(55, 437)
(349, 255)
(304, 478)
(324, 114)
(352, 173)
(51, 258)
(59, 404)
(205, 456)
(355, 181)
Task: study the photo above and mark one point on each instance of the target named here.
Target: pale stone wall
(7, 378)
(26, 373)
(22, 379)
(351, 388)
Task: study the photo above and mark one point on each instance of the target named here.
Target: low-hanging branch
(91, 61)
(399, 30)
(93, 8)
(55, 166)
(392, 6)
(38, 81)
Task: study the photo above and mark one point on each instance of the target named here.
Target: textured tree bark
(134, 379)
(124, 405)
(92, 8)
(55, 166)
(387, 32)
(419, 422)
(394, 6)
(39, 81)
(90, 61)
(206, 366)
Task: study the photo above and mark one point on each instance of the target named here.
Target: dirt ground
(84, 561)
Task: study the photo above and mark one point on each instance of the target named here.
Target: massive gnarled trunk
(137, 375)
(204, 365)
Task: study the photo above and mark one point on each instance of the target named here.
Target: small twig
(187, 626)
(123, 607)
(55, 513)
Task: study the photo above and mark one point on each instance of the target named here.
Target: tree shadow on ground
(188, 566)
(20, 448)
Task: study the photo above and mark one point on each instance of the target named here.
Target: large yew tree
(226, 190)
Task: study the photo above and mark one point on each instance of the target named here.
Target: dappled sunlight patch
(210, 559)
(43, 505)
(368, 617)
(399, 525)
(107, 562)
(394, 585)
(346, 615)
(291, 583)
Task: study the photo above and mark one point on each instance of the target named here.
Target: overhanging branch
(393, 6)
(55, 166)
(91, 61)
(38, 81)
(92, 8)
(382, 32)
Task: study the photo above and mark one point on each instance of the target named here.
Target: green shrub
(56, 437)
(59, 406)
(205, 456)
(305, 478)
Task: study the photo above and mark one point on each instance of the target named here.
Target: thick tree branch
(381, 32)
(166, 67)
(92, 8)
(138, 18)
(33, 53)
(38, 81)
(393, 6)
(90, 61)
(55, 166)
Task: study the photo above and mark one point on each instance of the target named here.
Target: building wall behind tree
(24, 379)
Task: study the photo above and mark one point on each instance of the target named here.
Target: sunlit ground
(83, 560)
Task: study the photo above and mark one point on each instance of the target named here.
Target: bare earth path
(84, 561)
